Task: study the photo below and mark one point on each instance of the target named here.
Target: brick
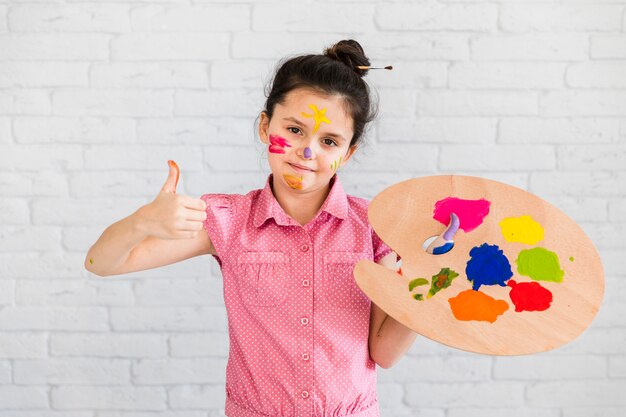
(112, 103)
(57, 46)
(549, 367)
(141, 345)
(560, 17)
(16, 397)
(79, 17)
(178, 371)
(168, 318)
(435, 16)
(73, 293)
(197, 18)
(149, 75)
(597, 75)
(170, 46)
(126, 398)
(436, 130)
(110, 130)
(591, 157)
(197, 397)
(506, 75)
(502, 157)
(583, 103)
(71, 371)
(576, 393)
(530, 47)
(558, 130)
(294, 17)
(608, 46)
(25, 102)
(476, 103)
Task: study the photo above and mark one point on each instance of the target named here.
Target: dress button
(305, 356)
(304, 247)
(305, 283)
(304, 320)
(305, 394)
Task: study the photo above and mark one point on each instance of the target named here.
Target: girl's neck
(300, 207)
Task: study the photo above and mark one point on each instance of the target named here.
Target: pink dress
(298, 324)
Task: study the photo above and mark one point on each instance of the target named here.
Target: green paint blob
(540, 264)
(571, 258)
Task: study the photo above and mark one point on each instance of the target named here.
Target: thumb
(172, 179)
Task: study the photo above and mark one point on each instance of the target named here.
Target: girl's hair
(333, 73)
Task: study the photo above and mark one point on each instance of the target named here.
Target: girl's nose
(306, 153)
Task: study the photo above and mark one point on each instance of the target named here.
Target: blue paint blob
(488, 266)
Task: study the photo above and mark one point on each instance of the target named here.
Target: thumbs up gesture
(171, 215)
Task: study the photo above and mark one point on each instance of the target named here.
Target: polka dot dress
(298, 324)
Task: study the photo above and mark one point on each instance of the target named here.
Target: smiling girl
(304, 339)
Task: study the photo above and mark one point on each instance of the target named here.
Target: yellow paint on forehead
(318, 116)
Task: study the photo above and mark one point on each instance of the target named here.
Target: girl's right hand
(171, 215)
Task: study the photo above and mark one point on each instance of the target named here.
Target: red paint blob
(470, 212)
(529, 296)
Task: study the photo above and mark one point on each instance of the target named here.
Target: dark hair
(333, 73)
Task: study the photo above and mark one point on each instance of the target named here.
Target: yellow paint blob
(521, 229)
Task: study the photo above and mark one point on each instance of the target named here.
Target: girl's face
(308, 139)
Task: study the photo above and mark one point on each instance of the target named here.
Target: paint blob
(529, 296)
(277, 144)
(475, 305)
(318, 116)
(293, 181)
(470, 212)
(307, 152)
(521, 229)
(335, 164)
(175, 166)
(488, 266)
(540, 264)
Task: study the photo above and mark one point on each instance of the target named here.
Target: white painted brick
(241, 103)
(44, 413)
(199, 344)
(25, 102)
(530, 47)
(576, 393)
(174, 292)
(81, 17)
(14, 211)
(149, 75)
(135, 157)
(582, 208)
(583, 103)
(439, 369)
(611, 315)
(142, 345)
(422, 156)
(121, 184)
(3, 18)
(15, 397)
(5, 130)
(43, 74)
(212, 18)
(241, 74)
(549, 367)
(44, 182)
(597, 75)
(608, 46)
(501, 157)
(108, 130)
(277, 45)
(168, 318)
(573, 184)
(102, 397)
(438, 130)
(506, 75)
(476, 103)
(165, 413)
(197, 396)
(54, 46)
(560, 18)
(560, 130)
(410, 75)
(295, 16)
(35, 157)
(5, 372)
(591, 157)
(434, 16)
(63, 211)
(396, 103)
(197, 131)
(617, 366)
(73, 293)
(53, 318)
(499, 412)
(66, 371)
(179, 371)
(474, 394)
(595, 411)
(614, 265)
(6, 294)
(170, 46)
(596, 341)
(617, 210)
(25, 238)
(42, 265)
(112, 103)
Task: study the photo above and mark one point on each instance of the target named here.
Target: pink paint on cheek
(277, 144)
(470, 212)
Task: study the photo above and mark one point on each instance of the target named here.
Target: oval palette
(521, 277)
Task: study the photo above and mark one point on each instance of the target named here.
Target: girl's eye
(332, 142)
(293, 130)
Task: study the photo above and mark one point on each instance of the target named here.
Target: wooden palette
(403, 216)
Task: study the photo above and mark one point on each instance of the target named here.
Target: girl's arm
(388, 339)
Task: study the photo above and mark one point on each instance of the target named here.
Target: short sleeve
(219, 222)
(380, 248)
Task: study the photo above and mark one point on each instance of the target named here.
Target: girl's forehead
(305, 101)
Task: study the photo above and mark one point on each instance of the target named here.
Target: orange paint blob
(173, 164)
(293, 181)
(476, 305)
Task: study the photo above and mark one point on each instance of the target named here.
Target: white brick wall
(95, 96)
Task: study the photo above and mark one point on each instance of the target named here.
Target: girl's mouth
(298, 169)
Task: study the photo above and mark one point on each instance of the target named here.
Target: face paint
(90, 261)
(318, 116)
(307, 152)
(335, 165)
(277, 144)
(293, 181)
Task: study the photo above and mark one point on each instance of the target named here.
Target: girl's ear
(351, 150)
(264, 125)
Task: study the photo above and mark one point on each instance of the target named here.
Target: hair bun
(350, 53)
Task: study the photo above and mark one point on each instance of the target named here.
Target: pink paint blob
(470, 212)
(277, 144)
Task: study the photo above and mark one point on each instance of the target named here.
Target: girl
(304, 339)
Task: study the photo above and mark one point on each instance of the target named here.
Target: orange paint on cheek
(475, 305)
(293, 181)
